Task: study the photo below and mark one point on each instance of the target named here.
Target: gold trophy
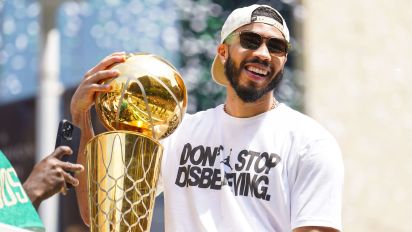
(147, 103)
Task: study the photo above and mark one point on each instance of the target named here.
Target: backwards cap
(236, 19)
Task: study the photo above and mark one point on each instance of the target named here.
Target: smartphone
(68, 135)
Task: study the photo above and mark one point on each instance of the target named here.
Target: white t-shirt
(272, 172)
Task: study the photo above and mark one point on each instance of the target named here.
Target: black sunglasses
(252, 40)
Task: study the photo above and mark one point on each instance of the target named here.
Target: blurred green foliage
(187, 32)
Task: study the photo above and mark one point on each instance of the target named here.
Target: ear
(223, 52)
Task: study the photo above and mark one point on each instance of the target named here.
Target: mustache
(256, 60)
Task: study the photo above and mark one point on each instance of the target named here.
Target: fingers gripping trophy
(146, 103)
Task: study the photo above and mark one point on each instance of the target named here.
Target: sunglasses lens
(250, 40)
(276, 45)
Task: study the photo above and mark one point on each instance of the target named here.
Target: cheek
(279, 63)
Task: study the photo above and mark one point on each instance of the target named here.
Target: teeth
(258, 71)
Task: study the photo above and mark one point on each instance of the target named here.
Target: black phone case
(68, 135)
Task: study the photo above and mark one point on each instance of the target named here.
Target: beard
(249, 93)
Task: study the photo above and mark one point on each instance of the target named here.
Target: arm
(83, 121)
(82, 101)
(50, 175)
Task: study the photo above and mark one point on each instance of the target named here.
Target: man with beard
(287, 170)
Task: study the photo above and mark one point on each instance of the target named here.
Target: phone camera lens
(67, 131)
(68, 127)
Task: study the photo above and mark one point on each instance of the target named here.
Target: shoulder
(303, 125)
(201, 117)
(196, 120)
(308, 135)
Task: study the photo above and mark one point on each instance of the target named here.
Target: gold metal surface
(149, 97)
(147, 102)
(123, 169)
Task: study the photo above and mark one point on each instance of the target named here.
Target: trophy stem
(123, 168)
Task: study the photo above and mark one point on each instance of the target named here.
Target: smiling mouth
(256, 73)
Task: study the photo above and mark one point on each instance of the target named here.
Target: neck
(236, 107)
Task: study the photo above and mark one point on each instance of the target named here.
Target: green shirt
(15, 206)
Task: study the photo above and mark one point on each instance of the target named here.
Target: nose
(262, 52)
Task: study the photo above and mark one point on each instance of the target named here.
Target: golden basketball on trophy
(146, 103)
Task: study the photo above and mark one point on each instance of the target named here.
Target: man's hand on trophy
(83, 98)
(50, 176)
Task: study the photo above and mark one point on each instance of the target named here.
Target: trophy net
(123, 169)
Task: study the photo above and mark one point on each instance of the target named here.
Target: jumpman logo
(226, 161)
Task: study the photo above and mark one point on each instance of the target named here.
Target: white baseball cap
(238, 18)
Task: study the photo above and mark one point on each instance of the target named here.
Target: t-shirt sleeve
(166, 147)
(316, 193)
(159, 185)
